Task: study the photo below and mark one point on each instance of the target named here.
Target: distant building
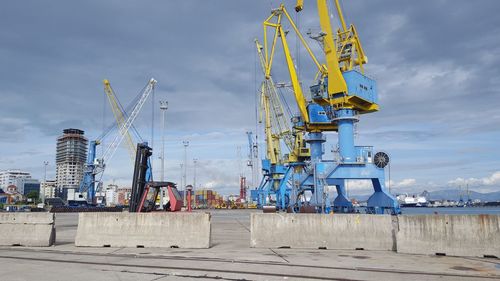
(10, 177)
(3, 196)
(48, 188)
(25, 186)
(123, 195)
(71, 155)
(11, 189)
(111, 195)
(13, 195)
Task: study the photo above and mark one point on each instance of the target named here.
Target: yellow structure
(120, 117)
(343, 52)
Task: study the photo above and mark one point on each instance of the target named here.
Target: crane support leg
(342, 204)
(283, 194)
(381, 201)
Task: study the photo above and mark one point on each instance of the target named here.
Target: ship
(406, 200)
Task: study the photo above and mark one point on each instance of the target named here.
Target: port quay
(237, 245)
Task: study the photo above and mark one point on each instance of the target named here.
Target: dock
(230, 257)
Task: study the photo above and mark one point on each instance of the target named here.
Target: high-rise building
(25, 186)
(10, 177)
(70, 159)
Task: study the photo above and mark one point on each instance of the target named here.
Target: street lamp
(186, 144)
(163, 109)
(44, 185)
(182, 175)
(195, 160)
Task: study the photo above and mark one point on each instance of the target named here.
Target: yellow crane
(341, 91)
(120, 117)
(343, 52)
(277, 167)
(277, 121)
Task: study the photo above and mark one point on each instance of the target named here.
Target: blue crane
(94, 165)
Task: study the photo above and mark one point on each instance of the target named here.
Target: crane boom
(250, 149)
(336, 82)
(277, 119)
(94, 166)
(119, 115)
(110, 150)
(302, 103)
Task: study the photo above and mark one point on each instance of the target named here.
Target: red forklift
(145, 191)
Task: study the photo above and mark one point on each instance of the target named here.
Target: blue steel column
(316, 140)
(346, 121)
(89, 176)
(345, 118)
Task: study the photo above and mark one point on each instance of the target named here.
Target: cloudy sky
(436, 63)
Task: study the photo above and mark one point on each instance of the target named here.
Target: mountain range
(452, 194)
(449, 194)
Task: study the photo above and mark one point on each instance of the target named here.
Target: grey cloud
(436, 63)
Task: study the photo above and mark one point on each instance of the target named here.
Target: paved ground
(230, 258)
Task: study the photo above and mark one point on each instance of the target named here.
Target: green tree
(33, 195)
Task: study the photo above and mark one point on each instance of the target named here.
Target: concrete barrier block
(333, 231)
(182, 230)
(27, 229)
(454, 235)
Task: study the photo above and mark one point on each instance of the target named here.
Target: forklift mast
(141, 176)
(141, 199)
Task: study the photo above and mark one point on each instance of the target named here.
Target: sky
(436, 64)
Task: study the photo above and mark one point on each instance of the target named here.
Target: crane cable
(126, 113)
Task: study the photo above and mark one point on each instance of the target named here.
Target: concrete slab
(454, 235)
(141, 230)
(27, 229)
(335, 231)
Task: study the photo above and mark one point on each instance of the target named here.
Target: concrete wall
(337, 231)
(455, 235)
(27, 229)
(183, 230)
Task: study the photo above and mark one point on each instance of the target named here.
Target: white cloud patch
(492, 180)
(405, 183)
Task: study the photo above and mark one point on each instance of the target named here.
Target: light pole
(44, 185)
(186, 144)
(163, 108)
(182, 175)
(195, 160)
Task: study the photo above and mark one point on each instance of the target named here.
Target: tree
(33, 195)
